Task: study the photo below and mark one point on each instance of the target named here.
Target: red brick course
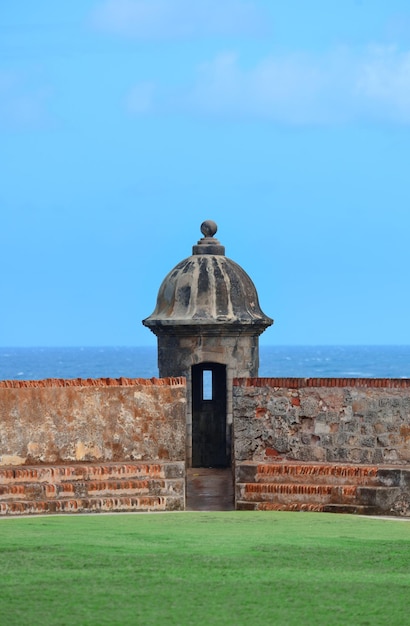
(92, 382)
(301, 383)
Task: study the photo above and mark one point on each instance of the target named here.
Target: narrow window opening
(207, 391)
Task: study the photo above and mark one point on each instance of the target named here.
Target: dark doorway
(209, 447)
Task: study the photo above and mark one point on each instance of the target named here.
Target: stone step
(353, 509)
(312, 494)
(290, 485)
(91, 488)
(92, 505)
(55, 474)
(307, 473)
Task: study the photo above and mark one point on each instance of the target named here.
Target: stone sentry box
(207, 321)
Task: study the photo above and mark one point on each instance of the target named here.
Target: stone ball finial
(208, 228)
(208, 244)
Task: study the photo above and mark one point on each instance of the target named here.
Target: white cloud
(340, 86)
(154, 19)
(384, 81)
(22, 106)
(282, 88)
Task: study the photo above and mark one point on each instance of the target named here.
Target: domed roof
(207, 288)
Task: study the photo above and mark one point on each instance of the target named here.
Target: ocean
(282, 361)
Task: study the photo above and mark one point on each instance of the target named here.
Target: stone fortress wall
(324, 420)
(103, 445)
(92, 445)
(349, 437)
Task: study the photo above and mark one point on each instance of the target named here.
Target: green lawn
(205, 568)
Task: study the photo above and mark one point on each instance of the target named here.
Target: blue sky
(126, 123)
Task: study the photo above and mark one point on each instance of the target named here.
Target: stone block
(321, 427)
(309, 406)
(246, 473)
(389, 477)
(390, 455)
(405, 479)
(367, 442)
(307, 424)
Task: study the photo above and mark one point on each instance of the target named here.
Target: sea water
(141, 362)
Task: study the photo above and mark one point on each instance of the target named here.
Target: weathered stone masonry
(92, 445)
(346, 435)
(327, 420)
(299, 444)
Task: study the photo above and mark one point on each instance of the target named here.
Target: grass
(204, 568)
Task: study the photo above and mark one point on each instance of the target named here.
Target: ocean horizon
(141, 362)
